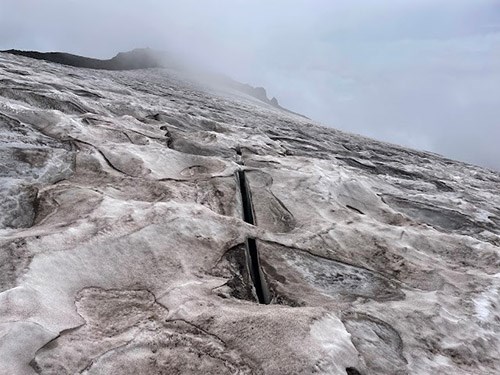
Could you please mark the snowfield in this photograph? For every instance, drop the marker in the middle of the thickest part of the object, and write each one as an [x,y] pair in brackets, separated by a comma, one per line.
[122,240]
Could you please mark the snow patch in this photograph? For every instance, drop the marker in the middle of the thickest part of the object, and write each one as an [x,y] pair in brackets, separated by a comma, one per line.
[330,333]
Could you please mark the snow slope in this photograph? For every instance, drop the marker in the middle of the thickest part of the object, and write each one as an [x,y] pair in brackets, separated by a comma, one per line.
[122,248]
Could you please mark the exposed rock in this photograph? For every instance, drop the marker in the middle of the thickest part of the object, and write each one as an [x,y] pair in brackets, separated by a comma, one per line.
[141,58]
[125,245]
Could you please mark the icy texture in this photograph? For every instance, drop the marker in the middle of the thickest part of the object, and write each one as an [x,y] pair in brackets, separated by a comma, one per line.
[122,238]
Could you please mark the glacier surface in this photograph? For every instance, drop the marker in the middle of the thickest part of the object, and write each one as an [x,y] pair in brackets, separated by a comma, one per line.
[122,240]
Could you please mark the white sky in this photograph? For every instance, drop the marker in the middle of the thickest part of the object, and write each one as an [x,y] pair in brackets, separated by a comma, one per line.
[420,73]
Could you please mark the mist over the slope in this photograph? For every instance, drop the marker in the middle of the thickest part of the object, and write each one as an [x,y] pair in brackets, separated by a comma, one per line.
[423,74]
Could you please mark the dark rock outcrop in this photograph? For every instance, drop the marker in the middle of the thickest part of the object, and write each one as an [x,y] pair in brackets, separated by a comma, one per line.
[141,58]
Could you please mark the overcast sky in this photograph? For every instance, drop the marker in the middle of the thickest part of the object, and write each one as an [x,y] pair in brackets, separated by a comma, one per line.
[421,73]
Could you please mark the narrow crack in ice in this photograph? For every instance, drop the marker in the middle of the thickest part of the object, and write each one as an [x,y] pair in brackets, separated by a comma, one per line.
[259,281]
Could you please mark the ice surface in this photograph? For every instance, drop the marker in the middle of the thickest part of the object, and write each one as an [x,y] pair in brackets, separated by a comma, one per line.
[121,236]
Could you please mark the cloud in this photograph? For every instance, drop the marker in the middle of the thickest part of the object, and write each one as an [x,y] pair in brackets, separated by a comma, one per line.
[439,95]
[421,73]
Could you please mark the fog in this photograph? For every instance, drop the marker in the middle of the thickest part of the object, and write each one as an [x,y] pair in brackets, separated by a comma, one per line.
[421,73]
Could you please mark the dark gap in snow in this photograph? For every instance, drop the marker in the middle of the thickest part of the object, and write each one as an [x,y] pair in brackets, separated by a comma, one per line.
[260,284]
[355,209]
[352,371]
[246,199]
[258,279]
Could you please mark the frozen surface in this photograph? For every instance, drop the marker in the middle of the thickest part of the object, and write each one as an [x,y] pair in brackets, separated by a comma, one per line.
[121,240]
